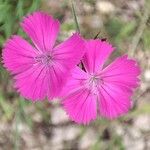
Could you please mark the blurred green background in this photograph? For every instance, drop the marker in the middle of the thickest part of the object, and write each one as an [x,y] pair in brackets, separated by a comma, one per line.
[44,125]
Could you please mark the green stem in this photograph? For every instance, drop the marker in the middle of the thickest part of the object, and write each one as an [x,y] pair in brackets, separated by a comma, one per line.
[75,17]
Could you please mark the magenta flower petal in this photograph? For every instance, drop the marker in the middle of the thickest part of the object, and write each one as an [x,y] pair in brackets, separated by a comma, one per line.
[42,29]
[32,83]
[76,79]
[110,89]
[119,79]
[113,101]
[123,71]
[41,70]
[66,56]
[70,51]
[57,78]
[79,103]
[81,106]
[18,55]
[97,53]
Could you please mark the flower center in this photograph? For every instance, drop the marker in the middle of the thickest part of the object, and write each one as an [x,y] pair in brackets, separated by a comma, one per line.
[45,59]
[93,83]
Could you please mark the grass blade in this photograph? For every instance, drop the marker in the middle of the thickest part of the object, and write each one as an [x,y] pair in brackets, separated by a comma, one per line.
[75,17]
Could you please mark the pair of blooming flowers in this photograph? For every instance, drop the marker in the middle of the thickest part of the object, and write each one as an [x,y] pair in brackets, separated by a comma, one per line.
[42,70]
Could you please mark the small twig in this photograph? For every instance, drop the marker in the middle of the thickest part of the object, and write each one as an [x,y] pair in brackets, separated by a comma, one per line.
[96,36]
[140,30]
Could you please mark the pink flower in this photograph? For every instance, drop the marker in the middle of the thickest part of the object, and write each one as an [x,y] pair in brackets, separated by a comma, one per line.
[106,91]
[40,69]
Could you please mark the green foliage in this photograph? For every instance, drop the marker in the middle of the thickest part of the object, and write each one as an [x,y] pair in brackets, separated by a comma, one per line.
[113,27]
[126,31]
[97,145]
[119,30]
[146,39]
[6,108]
[68,26]
[12,14]
[92,2]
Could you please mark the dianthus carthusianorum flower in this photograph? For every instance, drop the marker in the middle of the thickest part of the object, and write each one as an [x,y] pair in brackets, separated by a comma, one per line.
[40,69]
[98,90]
